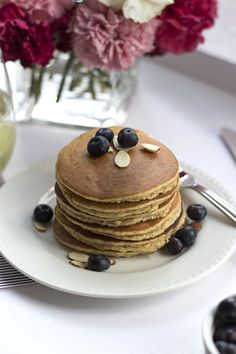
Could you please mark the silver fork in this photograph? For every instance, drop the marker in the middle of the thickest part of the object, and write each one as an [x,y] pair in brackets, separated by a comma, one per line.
[10,277]
[188,181]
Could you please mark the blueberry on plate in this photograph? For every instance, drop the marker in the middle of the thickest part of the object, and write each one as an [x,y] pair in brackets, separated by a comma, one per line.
[187,235]
[98,262]
[175,246]
[106,132]
[98,146]
[127,138]
[197,212]
[43,213]
[226,310]
[226,348]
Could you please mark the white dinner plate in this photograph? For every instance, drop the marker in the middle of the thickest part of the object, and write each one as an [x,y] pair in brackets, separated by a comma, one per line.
[41,258]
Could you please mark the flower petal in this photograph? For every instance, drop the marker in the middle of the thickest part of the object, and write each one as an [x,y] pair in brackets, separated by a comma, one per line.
[114,4]
[144,10]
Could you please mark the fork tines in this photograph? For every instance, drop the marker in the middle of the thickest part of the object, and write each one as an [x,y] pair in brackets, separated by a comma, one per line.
[9,276]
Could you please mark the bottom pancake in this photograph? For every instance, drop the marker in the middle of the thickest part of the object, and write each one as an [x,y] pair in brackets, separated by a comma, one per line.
[133,249]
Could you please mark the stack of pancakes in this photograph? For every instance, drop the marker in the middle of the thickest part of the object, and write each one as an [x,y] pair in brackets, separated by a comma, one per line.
[120,212]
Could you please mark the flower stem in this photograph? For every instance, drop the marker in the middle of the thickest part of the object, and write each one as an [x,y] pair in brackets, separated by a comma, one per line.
[65,72]
[32,83]
[38,84]
[91,88]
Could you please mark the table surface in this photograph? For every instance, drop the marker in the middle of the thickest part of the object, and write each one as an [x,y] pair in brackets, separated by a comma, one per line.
[186,115]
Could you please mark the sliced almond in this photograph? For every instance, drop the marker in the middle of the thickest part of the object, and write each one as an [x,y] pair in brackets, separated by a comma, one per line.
[78,256]
[78,264]
[122,159]
[151,147]
[39,227]
[113,261]
[110,149]
[196,225]
[116,144]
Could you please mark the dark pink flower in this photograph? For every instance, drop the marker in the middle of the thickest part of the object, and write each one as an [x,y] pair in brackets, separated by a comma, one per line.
[11,12]
[61,33]
[106,39]
[20,39]
[182,23]
[42,10]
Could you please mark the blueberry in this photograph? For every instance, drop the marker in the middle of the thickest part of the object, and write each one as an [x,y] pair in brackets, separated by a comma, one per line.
[218,323]
[226,348]
[127,138]
[187,235]
[106,132]
[98,262]
[98,146]
[227,310]
[43,213]
[226,334]
[175,246]
[197,212]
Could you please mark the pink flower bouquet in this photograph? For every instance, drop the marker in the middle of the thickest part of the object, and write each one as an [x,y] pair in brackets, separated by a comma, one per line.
[102,34]
[105,34]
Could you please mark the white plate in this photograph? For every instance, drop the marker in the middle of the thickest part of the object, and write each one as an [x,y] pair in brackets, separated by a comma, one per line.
[40,257]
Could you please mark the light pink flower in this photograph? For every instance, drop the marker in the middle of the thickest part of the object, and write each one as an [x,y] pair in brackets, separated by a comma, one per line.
[42,9]
[106,39]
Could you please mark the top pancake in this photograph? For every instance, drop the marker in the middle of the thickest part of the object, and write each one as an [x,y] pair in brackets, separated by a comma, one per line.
[99,179]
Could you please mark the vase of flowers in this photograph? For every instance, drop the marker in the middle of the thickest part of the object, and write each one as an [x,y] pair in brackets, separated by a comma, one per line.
[77,59]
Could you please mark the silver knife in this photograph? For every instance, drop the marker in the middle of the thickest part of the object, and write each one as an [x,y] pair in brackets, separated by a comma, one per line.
[229,138]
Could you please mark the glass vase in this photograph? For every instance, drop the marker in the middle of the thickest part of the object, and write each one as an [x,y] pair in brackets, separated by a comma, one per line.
[7,122]
[67,93]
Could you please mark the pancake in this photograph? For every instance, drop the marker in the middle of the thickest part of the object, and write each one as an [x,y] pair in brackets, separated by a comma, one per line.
[99,179]
[140,231]
[120,212]
[153,245]
[116,219]
[106,209]
[105,242]
[65,239]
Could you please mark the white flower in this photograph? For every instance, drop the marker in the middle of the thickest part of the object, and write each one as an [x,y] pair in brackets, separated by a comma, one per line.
[139,10]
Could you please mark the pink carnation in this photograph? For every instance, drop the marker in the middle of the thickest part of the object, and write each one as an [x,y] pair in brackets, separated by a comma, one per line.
[42,10]
[106,39]
[20,39]
[61,33]
[182,24]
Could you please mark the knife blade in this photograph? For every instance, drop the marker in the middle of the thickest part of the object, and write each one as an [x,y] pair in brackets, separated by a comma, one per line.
[229,138]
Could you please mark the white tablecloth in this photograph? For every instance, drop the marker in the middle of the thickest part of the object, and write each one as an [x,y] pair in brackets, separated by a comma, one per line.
[186,115]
